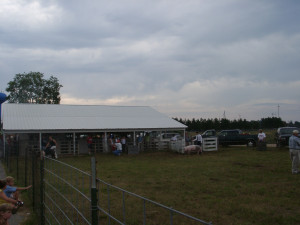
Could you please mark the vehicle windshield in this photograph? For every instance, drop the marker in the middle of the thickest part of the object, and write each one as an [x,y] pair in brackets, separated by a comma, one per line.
[170,135]
[288,130]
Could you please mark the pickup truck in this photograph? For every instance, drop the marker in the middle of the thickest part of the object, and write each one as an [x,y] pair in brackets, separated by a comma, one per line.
[283,134]
[236,137]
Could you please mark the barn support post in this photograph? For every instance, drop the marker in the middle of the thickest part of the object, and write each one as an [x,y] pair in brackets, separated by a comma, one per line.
[105,142]
[40,137]
[134,142]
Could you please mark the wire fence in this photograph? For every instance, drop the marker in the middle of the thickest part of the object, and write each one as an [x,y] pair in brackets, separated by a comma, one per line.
[118,205]
[67,194]
[26,170]
[64,194]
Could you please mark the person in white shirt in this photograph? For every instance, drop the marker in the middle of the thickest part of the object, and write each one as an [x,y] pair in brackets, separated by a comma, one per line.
[123,142]
[198,139]
[261,136]
[118,150]
[294,146]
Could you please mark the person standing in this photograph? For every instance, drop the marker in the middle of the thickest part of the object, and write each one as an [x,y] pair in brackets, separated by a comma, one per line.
[89,141]
[261,140]
[187,139]
[294,146]
[198,139]
[118,149]
[140,142]
[261,136]
[123,142]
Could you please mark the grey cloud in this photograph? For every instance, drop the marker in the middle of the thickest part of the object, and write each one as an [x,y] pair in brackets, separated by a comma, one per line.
[155,48]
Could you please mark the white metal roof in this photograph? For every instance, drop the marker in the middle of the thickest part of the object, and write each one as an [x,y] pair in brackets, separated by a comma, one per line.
[62,118]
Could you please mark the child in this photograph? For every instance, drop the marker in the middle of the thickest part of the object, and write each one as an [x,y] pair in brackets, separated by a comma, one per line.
[5,213]
[3,197]
[11,191]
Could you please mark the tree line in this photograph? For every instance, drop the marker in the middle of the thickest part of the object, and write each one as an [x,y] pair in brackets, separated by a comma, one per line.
[224,124]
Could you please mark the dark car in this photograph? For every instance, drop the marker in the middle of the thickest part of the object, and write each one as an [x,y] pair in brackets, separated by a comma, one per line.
[283,134]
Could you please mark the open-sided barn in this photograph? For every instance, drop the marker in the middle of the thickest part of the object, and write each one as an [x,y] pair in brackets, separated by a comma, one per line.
[70,124]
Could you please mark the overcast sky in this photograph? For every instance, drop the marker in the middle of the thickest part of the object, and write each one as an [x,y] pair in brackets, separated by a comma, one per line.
[186,59]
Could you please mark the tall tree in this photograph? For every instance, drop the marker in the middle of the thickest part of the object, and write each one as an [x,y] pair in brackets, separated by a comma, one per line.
[33,88]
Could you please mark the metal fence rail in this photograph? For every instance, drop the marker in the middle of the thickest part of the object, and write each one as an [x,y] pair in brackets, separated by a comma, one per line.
[121,213]
[67,194]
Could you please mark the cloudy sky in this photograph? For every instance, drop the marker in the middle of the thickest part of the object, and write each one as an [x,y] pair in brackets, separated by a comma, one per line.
[187,59]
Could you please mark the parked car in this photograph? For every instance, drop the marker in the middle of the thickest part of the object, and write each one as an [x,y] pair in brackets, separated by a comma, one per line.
[283,134]
[236,137]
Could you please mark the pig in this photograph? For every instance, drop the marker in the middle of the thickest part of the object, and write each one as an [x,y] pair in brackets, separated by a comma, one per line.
[193,148]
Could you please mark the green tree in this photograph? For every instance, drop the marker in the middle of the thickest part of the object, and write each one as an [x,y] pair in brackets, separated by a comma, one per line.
[33,88]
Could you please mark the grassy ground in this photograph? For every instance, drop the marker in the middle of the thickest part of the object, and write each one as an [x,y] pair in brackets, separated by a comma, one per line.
[236,185]
[26,210]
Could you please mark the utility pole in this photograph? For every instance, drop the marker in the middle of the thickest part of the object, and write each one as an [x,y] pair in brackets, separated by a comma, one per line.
[278,110]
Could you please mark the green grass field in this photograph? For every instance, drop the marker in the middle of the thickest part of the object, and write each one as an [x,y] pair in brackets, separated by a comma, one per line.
[236,185]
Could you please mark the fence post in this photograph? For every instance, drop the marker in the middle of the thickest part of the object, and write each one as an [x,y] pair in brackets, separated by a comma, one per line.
[94,200]
[33,179]
[8,159]
[18,155]
[42,191]
[26,165]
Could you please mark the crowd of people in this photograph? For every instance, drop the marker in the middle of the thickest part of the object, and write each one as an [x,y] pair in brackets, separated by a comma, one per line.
[10,200]
[117,145]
